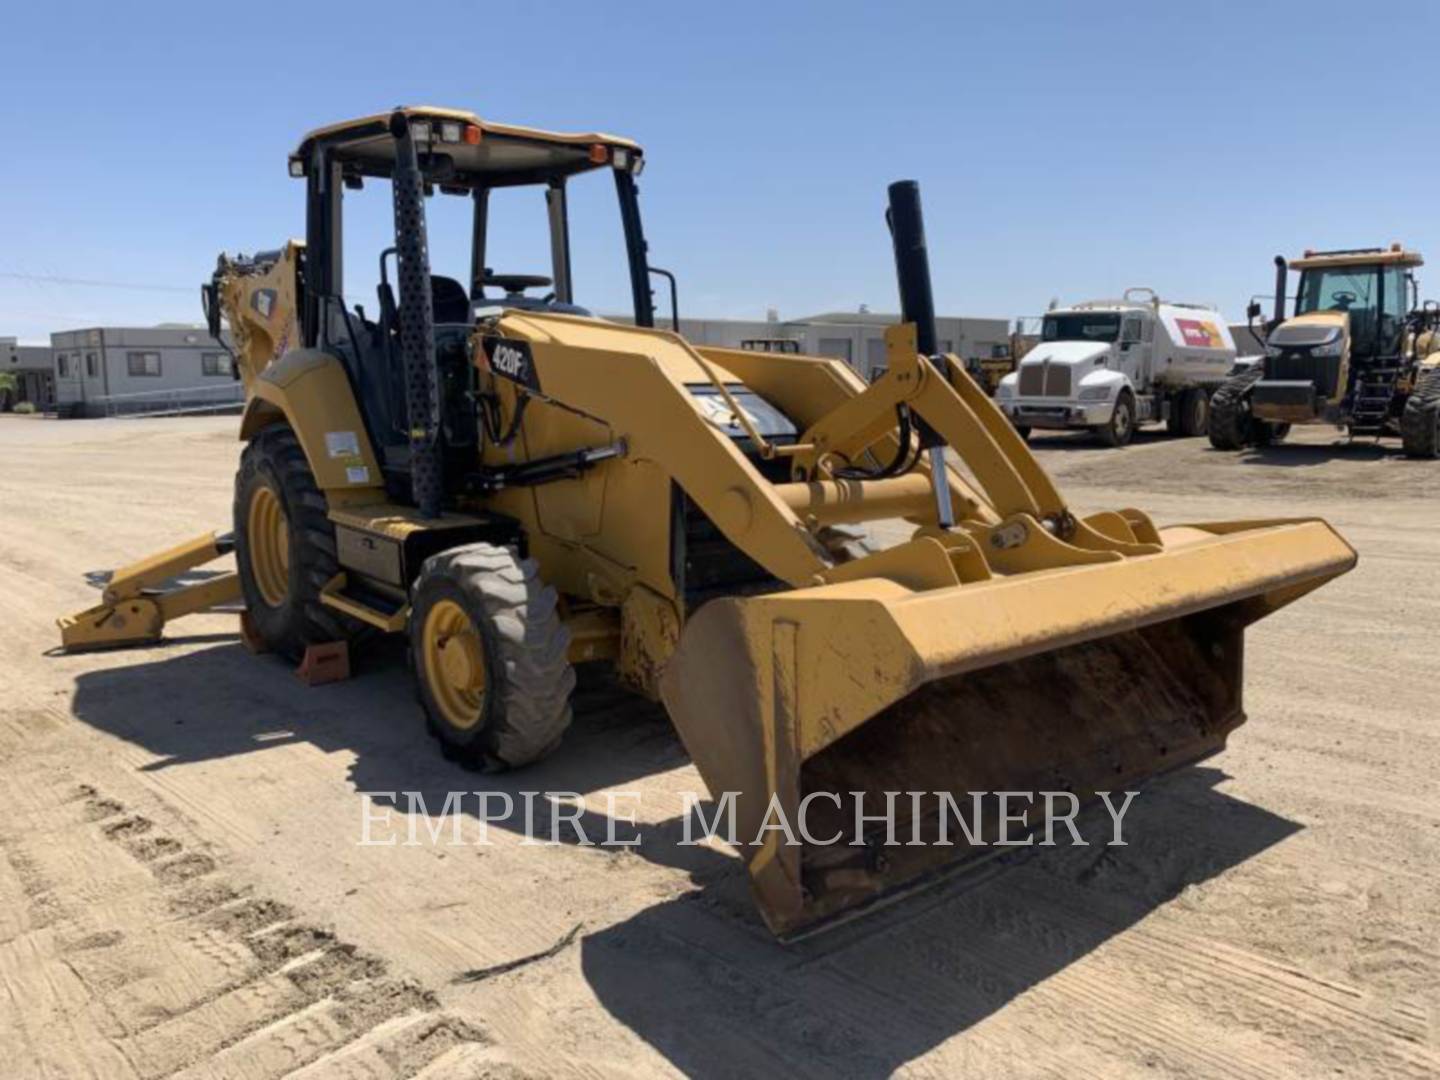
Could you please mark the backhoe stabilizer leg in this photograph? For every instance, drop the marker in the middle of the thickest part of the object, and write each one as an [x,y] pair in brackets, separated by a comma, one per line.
[134,610]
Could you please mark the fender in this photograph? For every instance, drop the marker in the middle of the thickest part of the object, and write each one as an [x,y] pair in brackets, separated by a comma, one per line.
[308,389]
[1117,381]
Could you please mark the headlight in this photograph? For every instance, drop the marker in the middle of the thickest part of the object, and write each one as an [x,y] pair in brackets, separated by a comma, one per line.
[1330,348]
[1095,393]
[1273,350]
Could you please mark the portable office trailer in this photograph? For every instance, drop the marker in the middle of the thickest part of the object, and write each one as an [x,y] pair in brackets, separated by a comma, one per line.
[106,370]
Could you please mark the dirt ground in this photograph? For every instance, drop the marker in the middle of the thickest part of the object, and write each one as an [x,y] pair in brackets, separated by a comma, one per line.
[182,891]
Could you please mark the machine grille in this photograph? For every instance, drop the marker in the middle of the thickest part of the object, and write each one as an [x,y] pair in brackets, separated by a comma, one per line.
[1323,371]
[1057,380]
[1044,380]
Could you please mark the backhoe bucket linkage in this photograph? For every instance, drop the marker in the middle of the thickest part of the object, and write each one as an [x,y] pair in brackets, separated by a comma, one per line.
[135,609]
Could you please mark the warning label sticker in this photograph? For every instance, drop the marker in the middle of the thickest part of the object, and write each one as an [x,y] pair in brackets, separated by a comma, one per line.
[342,444]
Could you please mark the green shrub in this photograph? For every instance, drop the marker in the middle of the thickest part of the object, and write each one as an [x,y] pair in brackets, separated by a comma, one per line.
[24,407]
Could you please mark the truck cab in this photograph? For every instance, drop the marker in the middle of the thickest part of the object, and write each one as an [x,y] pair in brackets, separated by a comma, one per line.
[1111,365]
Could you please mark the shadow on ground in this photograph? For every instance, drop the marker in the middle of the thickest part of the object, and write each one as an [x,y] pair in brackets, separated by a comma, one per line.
[700,981]
[699,978]
[1307,455]
[224,701]
[1041,439]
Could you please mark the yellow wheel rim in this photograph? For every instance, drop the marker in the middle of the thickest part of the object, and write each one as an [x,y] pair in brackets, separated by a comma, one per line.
[454,664]
[269,538]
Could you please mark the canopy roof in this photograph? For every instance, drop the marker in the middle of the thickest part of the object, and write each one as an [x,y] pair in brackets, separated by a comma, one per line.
[1395,254]
[459,148]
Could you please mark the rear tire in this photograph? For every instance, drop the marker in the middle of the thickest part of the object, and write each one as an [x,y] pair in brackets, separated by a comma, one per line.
[1194,412]
[1023,432]
[1420,422]
[1230,426]
[490,656]
[285,547]
[1121,428]
[1175,418]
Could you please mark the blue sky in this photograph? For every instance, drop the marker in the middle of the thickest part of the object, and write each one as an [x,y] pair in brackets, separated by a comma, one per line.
[1063,150]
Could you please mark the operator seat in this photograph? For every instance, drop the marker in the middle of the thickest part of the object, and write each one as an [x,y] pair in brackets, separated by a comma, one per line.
[450,301]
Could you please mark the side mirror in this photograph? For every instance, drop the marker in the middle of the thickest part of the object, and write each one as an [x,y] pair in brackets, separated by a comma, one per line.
[1253,310]
[674,302]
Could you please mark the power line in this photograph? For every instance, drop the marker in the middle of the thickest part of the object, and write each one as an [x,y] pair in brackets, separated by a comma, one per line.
[49,279]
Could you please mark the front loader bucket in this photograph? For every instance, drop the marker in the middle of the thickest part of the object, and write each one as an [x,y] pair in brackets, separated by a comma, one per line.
[1081,679]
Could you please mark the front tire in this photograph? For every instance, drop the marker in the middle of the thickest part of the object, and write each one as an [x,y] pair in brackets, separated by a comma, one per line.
[1420,422]
[490,656]
[1121,428]
[1231,426]
[285,547]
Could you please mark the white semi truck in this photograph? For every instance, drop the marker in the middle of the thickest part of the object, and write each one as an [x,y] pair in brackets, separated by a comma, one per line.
[1111,365]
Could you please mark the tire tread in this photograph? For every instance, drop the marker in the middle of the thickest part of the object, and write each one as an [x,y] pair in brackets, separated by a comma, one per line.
[1230,426]
[312,623]
[536,678]
[1420,422]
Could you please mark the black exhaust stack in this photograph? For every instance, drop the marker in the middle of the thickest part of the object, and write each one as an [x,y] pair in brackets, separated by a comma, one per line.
[417,326]
[917,305]
[912,262]
[1282,274]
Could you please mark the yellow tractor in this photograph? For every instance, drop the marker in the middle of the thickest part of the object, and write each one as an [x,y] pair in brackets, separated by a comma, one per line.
[1358,352]
[521,486]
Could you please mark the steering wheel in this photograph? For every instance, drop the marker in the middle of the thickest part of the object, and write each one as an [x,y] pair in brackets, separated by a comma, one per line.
[514,283]
[1344,298]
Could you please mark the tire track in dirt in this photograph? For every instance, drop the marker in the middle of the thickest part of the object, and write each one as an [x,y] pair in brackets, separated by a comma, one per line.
[186,974]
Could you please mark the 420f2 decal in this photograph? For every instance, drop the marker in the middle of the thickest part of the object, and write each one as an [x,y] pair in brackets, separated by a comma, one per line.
[511,359]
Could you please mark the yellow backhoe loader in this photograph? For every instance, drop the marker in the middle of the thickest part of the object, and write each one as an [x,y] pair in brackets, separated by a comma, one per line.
[521,486]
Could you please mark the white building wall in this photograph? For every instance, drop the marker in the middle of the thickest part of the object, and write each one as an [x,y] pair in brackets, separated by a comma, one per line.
[32,366]
[724,333]
[862,343]
[857,339]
